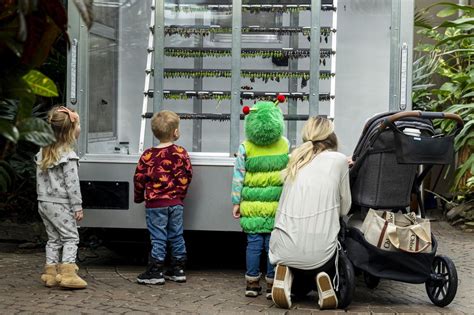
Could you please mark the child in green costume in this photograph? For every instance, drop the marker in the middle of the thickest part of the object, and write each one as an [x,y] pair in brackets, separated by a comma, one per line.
[257,186]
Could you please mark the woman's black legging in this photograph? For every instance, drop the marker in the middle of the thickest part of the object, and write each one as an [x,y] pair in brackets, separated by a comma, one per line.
[304,281]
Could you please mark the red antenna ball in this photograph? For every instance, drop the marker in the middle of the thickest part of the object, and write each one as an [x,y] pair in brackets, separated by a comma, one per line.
[246,110]
[281,98]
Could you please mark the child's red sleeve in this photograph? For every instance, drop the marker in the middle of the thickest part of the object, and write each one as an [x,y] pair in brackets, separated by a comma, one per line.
[185,173]
[139,180]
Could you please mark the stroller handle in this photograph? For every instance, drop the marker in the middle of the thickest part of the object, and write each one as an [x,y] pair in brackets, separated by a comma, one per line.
[428,115]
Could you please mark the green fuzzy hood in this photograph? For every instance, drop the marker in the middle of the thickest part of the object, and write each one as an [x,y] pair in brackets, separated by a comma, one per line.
[264,124]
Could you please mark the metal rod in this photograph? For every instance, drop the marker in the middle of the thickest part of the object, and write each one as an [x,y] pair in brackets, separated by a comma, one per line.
[197,102]
[332,107]
[324,52]
[150,49]
[222,117]
[243,94]
[314,51]
[394,88]
[293,82]
[246,2]
[236,80]
[158,56]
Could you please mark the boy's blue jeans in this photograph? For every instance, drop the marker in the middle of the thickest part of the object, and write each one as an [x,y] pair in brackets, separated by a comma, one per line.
[166,225]
[256,243]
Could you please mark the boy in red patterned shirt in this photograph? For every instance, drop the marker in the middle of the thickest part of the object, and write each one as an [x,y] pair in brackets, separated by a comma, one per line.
[161,180]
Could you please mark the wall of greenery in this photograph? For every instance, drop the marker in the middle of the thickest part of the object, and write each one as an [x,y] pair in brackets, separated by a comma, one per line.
[33,41]
[443,79]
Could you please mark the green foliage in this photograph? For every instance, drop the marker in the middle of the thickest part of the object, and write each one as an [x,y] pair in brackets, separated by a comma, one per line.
[40,84]
[29,48]
[28,29]
[447,56]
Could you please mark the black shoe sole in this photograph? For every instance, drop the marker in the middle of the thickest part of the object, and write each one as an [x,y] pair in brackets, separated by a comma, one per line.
[151,281]
[181,279]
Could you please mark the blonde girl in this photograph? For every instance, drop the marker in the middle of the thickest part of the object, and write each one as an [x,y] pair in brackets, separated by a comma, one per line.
[315,194]
[59,199]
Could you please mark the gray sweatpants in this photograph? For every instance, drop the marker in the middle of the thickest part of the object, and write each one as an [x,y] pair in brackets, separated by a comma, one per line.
[62,232]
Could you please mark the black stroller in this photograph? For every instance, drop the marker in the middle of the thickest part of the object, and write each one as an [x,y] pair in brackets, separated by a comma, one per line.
[384,176]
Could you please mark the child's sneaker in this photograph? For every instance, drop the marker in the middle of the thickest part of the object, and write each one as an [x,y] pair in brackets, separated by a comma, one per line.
[175,274]
[281,290]
[152,275]
[269,288]
[327,296]
[253,288]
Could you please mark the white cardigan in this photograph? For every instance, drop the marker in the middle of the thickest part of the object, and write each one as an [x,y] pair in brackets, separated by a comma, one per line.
[307,219]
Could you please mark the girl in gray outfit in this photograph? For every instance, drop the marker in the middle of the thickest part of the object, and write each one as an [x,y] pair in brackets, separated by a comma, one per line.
[59,200]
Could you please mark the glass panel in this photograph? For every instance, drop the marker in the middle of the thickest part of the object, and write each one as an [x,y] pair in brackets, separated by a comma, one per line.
[197,64]
[102,95]
[197,71]
[276,58]
[117,53]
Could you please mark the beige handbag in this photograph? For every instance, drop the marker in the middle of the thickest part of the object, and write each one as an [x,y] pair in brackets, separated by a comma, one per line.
[397,231]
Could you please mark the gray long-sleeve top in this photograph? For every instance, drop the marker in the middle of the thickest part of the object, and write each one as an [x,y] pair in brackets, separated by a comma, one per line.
[60,182]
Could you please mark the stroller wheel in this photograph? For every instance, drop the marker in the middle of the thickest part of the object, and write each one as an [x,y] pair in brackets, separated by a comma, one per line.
[346,281]
[371,281]
[443,283]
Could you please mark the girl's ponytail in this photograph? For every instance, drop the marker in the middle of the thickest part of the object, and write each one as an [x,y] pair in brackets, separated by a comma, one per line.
[64,122]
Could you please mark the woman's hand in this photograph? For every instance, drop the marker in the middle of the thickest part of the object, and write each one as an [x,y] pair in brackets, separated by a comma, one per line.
[78,215]
[236,211]
[350,161]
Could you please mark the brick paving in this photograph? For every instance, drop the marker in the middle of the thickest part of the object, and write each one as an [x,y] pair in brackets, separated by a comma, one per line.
[112,288]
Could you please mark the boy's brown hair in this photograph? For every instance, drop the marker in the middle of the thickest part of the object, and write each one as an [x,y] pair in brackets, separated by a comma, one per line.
[163,125]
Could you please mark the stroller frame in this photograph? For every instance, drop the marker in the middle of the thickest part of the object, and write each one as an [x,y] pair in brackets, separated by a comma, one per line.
[438,272]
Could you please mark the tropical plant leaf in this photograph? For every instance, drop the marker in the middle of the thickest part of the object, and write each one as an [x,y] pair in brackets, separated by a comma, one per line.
[465,136]
[456,38]
[464,8]
[423,86]
[447,12]
[8,109]
[468,165]
[41,84]
[470,94]
[9,130]
[7,176]
[421,20]
[37,131]
[457,23]
[56,11]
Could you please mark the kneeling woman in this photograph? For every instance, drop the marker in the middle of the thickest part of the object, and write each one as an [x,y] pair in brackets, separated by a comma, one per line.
[316,193]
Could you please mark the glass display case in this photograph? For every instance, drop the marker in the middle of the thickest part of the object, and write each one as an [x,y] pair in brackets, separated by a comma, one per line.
[205,60]
[273,45]
[193,66]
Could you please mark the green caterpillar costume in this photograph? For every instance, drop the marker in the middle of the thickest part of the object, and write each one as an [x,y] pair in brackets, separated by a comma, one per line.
[266,152]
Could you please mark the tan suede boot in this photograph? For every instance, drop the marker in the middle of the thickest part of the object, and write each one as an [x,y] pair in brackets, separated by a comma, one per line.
[253,288]
[49,275]
[68,278]
[269,288]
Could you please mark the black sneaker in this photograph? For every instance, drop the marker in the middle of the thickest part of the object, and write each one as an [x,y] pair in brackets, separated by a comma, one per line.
[175,273]
[152,275]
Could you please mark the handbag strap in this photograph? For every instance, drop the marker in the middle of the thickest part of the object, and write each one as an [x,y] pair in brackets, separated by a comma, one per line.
[411,216]
[389,216]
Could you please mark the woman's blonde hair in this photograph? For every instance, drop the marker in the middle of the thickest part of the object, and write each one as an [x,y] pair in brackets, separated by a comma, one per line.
[64,122]
[318,135]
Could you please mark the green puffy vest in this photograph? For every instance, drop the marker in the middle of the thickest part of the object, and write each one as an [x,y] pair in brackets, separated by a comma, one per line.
[262,185]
